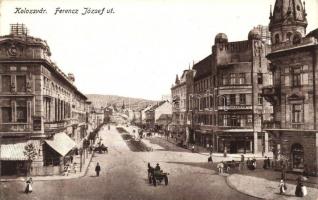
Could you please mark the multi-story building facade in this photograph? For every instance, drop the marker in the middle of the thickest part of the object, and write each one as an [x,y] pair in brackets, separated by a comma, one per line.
[39,105]
[240,70]
[201,104]
[143,116]
[225,107]
[180,100]
[294,91]
[154,112]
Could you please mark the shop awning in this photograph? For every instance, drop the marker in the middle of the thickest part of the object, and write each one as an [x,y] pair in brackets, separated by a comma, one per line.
[14,151]
[61,143]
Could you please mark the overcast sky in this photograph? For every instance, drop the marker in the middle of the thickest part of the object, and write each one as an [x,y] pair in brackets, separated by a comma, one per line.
[138,50]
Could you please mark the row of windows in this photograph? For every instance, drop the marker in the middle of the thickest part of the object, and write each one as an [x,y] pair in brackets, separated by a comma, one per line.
[233,79]
[203,84]
[295,38]
[201,103]
[50,85]
[56,110]
[236,120]
[205,119]
[228,100]
[238,79]
[15,111]
[13,83]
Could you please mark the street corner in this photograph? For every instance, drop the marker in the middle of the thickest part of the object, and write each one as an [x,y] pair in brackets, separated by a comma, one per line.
[265,189]
[245,185]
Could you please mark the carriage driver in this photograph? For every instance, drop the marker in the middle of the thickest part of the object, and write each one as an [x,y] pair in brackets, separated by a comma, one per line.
[157,168]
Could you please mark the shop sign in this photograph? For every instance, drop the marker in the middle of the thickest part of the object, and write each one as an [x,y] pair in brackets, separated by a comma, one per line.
[239,107]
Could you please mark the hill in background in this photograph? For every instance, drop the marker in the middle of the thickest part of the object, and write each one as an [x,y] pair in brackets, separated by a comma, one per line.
[99,100]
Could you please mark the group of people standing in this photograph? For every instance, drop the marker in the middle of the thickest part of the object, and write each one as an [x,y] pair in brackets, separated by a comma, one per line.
[300,191]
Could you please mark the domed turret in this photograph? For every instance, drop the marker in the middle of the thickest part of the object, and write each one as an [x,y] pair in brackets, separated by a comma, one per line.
[220,38]
[254,34]
[288,21]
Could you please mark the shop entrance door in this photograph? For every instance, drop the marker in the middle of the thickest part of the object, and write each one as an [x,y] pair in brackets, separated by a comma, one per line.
[233,147]
[297,152]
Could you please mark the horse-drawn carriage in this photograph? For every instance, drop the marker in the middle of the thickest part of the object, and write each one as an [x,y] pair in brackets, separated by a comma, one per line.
[231,165]
[157,176]
[101,149]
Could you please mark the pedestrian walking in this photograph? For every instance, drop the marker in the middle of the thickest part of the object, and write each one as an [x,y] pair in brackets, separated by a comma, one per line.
[220,167]
[254,162]
[301,190]
[265,164]
[283,175]
[97,169]
[66,170]
[28,187]
[210,159]
[192,149]
[282,187]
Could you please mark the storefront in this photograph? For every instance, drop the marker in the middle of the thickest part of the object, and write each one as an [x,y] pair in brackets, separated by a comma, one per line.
[57,148]
[297,157]
[204,138]
[13,159]
[234,142]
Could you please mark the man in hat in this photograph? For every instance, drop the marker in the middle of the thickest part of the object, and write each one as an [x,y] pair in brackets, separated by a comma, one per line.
[157,168]
[97,169]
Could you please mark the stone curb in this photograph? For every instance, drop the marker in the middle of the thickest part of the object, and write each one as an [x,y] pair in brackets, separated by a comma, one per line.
[228,182]
[54,178]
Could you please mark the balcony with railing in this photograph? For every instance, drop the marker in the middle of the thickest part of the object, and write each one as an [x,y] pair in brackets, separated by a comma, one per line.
[271,93]
[291,45]
[267,125]
[56,126]
[222,127]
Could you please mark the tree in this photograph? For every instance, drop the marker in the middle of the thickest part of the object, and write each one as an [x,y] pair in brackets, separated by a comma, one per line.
[30,153]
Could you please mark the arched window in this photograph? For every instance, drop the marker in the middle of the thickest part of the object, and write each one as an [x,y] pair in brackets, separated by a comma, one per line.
[289,36]
[297,39]
[276,39]
[297,153]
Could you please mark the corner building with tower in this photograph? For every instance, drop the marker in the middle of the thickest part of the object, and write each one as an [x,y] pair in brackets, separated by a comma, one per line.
[39,106]
[294,93]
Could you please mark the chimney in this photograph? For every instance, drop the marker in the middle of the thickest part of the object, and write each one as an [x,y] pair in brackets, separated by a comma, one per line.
[19,30]
[71,77]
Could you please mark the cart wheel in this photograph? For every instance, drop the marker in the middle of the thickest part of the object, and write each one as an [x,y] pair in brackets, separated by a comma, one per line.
[166,180]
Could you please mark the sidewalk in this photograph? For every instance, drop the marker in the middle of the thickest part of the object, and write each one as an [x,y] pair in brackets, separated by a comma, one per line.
[263,184]
[204,151]
[71,175]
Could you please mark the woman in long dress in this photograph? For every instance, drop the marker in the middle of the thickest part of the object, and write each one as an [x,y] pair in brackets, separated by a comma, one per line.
[282,187]
[28,187]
